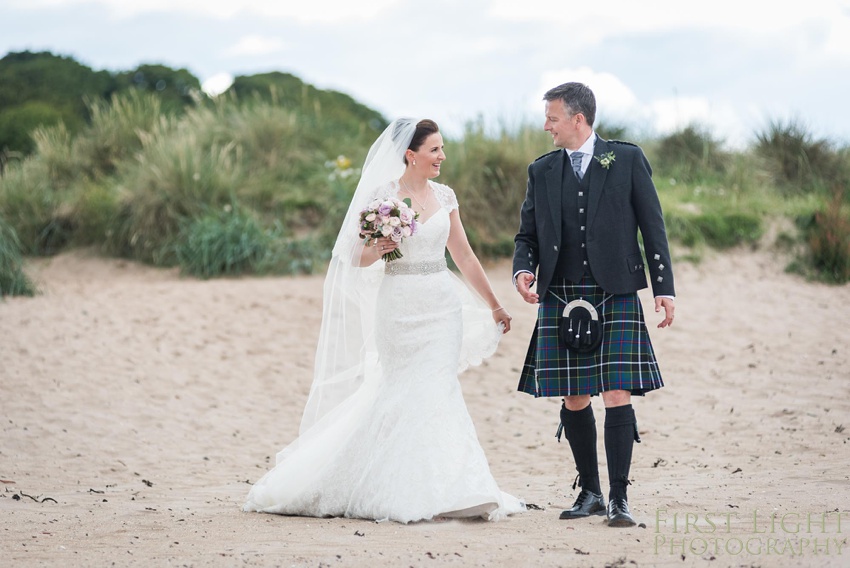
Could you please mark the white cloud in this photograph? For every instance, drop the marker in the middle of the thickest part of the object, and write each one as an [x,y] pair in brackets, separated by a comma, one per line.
[612,95]
[305,11]
[217,84]
[779,23]
[618,105]
[487,45]
[837,42]
[675,113]
[255,45]
[615,17]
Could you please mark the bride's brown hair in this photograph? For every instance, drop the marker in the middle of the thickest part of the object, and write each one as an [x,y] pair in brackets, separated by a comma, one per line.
[424,128]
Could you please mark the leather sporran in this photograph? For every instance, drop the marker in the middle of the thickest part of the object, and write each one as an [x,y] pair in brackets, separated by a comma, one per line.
[581,327]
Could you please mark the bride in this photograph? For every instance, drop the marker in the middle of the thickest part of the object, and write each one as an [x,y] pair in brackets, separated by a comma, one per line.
[386,434]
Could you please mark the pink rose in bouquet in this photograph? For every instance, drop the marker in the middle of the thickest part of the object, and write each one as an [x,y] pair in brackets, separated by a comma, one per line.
[389,217]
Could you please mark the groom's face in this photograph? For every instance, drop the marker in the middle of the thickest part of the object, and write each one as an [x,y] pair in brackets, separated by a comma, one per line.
[562,125]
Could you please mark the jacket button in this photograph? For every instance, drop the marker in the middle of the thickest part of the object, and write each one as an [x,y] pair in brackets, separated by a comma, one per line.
[556,248]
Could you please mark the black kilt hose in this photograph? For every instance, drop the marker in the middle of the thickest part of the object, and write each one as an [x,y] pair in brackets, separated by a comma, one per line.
[624,361]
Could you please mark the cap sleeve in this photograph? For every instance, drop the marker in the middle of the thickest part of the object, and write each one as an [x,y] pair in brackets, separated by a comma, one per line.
[446,196]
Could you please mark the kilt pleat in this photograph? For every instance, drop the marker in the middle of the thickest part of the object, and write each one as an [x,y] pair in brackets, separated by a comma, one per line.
[624,361]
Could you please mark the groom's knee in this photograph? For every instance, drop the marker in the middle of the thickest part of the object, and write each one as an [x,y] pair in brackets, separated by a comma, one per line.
[577,402]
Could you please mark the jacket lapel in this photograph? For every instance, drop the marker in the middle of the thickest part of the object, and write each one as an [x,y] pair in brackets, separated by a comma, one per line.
[597,180]
[554,181]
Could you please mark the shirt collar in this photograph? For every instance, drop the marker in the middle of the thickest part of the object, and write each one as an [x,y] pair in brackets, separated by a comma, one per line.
[587,147]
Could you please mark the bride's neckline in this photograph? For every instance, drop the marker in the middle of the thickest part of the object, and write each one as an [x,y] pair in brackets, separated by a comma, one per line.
[431,216]
[431,188]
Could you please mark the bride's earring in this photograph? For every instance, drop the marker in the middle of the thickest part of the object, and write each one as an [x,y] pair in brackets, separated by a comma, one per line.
[414,162]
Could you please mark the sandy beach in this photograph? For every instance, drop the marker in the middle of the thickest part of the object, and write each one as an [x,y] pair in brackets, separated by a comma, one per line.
[138,405]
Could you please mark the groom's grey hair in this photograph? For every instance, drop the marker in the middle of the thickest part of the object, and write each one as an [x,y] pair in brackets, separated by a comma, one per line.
[577,97]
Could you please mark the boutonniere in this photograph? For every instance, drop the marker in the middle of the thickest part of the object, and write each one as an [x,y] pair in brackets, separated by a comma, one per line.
[605,159]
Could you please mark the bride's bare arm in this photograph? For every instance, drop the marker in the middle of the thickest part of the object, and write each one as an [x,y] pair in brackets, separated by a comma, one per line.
[469,265]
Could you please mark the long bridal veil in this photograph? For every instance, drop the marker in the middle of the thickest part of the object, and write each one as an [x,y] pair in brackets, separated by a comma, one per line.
[346,354]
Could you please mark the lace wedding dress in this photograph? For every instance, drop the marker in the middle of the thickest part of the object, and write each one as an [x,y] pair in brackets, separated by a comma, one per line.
[402,447]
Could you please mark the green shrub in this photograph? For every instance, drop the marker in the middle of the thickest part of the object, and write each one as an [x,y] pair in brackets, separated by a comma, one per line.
[731,229]
[95,207]
[332,114]
[797,161]
[176,89]
[116,131]
[827,234]
[283,161]
[47,218]
[226,242]
[54,153]
[48,196]
[173,180]
[13,281]
[55,86]
[31,206]
[717,229]
[17,123]
[690,154]
[232,241]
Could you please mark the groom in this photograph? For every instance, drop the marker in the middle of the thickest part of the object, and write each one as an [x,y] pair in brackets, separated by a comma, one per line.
[584,205]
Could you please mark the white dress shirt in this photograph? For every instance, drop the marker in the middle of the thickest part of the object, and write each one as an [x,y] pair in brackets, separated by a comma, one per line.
[587,151]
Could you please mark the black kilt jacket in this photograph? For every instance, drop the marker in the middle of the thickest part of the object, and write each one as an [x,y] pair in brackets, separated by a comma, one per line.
[621,200]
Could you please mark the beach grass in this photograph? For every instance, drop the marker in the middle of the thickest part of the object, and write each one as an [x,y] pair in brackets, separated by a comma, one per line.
[13,279]
[251,186]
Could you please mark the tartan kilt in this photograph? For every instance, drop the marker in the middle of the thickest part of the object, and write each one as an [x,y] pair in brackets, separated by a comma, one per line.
[624,361]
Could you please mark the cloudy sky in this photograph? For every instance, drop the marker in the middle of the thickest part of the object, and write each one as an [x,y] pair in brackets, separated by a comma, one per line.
[729,65]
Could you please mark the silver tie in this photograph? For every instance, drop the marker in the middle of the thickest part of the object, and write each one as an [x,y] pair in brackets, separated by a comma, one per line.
[575,159]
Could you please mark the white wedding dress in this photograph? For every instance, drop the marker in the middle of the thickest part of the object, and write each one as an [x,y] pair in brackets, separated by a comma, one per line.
[403,446]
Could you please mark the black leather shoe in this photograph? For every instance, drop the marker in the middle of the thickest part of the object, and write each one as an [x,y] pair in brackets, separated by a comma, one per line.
[619,515]
[587,503]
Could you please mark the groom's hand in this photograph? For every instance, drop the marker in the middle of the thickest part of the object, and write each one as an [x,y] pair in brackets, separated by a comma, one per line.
[669,307]
[524,280]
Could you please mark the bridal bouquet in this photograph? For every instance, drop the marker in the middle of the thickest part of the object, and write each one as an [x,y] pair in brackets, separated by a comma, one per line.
[391,218]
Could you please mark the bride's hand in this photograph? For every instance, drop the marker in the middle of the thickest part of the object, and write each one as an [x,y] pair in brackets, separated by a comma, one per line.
[501,316]
[375,249]
[384,245]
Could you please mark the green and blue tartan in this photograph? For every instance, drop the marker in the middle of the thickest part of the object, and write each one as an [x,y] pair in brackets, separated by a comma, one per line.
[624,361]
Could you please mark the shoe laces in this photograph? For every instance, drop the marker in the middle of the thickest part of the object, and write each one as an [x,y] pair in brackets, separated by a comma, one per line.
[620,503]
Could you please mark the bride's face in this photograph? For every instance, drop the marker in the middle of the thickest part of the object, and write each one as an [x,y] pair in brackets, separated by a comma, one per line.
[429,156]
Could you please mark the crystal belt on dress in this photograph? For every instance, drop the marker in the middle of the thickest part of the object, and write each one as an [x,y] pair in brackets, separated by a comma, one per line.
[395,267]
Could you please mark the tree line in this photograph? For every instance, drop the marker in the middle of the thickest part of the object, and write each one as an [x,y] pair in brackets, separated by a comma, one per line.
[44,89]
